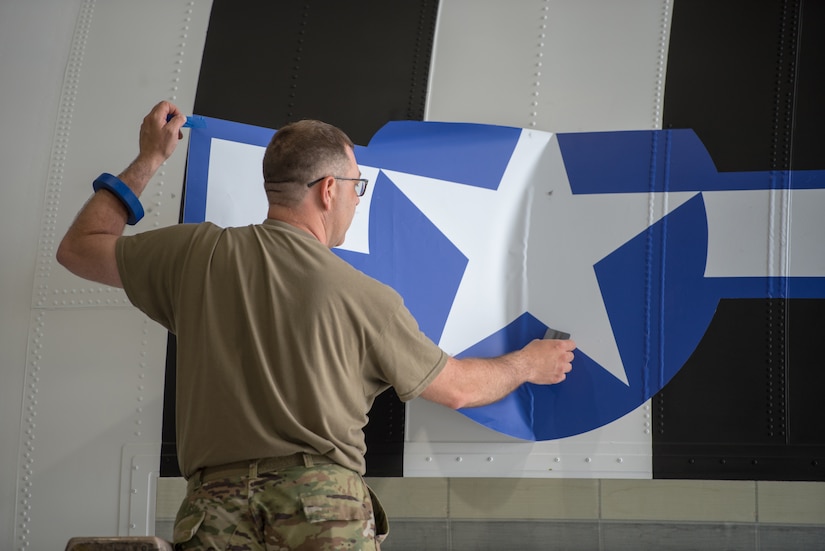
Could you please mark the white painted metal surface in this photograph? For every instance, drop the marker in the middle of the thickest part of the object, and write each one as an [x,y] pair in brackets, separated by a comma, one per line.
[553,65]
[90,388]
[512,63]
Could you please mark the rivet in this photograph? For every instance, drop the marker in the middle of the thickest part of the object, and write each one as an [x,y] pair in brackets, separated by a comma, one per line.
[459,459]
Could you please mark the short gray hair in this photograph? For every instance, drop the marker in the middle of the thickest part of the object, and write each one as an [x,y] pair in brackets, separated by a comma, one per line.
[299,153]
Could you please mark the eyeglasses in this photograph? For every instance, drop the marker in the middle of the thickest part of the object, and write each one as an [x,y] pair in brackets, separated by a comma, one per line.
[360,184]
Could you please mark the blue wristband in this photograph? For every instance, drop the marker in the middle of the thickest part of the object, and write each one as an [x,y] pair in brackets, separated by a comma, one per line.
[120,190]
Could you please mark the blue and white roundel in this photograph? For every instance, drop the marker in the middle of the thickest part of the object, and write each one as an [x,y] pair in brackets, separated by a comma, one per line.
[626,240]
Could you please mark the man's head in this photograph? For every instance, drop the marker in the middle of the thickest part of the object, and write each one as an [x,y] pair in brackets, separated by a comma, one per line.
[310,176]
[302,152]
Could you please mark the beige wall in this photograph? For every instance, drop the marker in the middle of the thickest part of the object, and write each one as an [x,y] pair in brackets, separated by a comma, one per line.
[580,499]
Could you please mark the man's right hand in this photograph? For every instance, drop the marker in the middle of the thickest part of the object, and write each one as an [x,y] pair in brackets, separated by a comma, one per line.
[550,360]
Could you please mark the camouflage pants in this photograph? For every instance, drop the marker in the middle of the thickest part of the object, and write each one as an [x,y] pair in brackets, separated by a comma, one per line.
[322,507]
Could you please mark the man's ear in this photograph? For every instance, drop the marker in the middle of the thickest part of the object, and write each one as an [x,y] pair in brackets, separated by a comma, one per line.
[327,190]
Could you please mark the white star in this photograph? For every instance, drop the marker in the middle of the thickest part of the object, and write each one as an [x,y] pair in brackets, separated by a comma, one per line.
[531,246]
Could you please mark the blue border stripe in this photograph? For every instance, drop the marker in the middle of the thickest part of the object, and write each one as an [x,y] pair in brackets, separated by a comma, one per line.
[200,146]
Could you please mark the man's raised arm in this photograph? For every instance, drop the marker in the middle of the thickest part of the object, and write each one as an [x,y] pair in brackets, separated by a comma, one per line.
[475,382]
[88,248]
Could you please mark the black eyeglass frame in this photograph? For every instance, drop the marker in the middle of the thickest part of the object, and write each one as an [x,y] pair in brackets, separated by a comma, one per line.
[360,188]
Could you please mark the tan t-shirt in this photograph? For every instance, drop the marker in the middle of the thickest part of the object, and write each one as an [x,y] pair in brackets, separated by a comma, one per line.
[282,346]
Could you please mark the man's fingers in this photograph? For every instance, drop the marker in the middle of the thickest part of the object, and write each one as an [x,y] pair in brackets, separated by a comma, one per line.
[165,112]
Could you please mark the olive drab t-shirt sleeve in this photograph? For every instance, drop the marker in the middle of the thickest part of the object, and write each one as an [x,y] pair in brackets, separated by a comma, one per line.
[150,265]
[408,360]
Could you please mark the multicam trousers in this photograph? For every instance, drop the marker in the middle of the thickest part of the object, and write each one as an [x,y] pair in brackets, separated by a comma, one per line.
[321,507]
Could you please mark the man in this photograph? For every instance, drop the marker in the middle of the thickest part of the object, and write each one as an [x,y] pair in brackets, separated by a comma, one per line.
[282,346]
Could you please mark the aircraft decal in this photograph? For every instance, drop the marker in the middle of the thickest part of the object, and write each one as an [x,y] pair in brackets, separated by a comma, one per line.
[493,234]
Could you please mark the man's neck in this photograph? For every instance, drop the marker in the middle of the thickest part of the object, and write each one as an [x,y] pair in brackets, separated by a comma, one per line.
[297,220]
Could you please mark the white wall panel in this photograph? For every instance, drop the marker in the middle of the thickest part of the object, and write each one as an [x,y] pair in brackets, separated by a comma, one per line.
[87,397]
[510,63]
[32,64]
[125,57]
[94,387]
[442,442]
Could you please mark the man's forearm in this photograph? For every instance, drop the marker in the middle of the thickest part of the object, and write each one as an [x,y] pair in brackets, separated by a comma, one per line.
[488,380]
[88,248]
[475,382]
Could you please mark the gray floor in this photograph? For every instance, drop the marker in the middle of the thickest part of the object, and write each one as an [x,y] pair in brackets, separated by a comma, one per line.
[443,535]
[604,536]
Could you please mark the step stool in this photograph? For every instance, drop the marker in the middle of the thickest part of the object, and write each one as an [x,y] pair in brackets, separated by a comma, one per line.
[119,543]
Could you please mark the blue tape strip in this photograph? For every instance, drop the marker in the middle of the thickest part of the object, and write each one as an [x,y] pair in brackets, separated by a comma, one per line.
[120,190]
[195,121]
